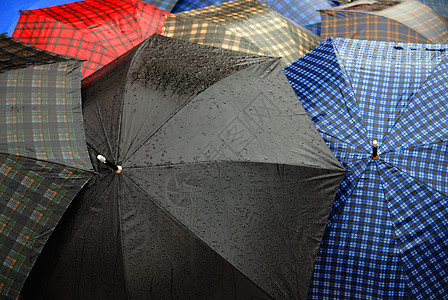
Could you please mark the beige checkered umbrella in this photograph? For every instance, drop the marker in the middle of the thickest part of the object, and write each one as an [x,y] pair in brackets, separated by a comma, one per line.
[407,21]
[244,25]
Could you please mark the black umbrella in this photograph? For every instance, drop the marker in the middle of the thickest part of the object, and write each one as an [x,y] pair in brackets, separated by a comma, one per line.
[225,186]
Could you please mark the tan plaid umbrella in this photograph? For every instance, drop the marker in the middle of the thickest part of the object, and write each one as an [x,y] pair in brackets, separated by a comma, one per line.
[244,25]
[406,21]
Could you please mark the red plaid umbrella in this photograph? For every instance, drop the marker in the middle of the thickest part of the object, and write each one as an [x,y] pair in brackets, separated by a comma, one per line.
[97,31]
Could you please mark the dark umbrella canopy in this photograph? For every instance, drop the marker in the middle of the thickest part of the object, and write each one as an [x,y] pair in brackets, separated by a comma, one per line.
[388,229]
[225,186]
[243,25]
[407,21]
[96,31]
[43,155]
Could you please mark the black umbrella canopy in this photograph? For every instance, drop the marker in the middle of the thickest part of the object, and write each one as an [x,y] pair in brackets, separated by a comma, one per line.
[225,187]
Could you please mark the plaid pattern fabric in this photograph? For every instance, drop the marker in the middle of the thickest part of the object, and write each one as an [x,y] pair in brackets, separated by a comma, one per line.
[33,197]
[304,13]
[315,28]
[187,5]
[97,31]
[166,5]
[244,25]
[408,22]
[386,237]
[16,55]
[41,114]
[440,6]
[43,154]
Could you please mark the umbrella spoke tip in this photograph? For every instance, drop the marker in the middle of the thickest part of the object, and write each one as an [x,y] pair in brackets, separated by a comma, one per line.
[101,158]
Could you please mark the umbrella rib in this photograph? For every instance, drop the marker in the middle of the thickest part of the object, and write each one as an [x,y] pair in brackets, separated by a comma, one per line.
[69,22]
[47,161]
[397,118]
[174,219]
[120,12]
[178,223]
[100,117]
[419,181]
[207,162]
[414,96]
[346,79]
[338,139]
[73,230]
[168,119]
[422,144]
[156,130]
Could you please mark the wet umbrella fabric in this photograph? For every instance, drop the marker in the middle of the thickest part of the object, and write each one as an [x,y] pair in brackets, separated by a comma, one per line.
[387,232]
[304,13]
[243,25]
[97,31]
[225,186]
[392,21]
[43,155]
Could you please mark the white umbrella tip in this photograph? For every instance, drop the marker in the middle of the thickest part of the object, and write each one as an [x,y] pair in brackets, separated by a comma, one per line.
[101,158]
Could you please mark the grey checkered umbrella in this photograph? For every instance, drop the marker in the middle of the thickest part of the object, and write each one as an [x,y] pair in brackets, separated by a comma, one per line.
[43,154]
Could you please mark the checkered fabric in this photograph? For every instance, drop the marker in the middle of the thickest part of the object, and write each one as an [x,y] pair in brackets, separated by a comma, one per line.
[43,154]
[97,31]
[187,5]
[244,25]
[387,235]
[440,6]
[166,5]
[16,55]
[304,12]
[409,22]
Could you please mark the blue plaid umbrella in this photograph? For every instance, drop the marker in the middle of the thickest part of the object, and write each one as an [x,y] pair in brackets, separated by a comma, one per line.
[440,6]
[387,235]
[304,12]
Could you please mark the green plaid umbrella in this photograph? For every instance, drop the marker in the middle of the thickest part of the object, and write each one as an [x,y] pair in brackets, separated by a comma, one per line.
[408,21]
[244,25]
[43,154]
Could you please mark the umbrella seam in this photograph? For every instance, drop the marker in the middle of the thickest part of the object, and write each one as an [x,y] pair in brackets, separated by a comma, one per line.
[48,161]
[141,49]
[178,223]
